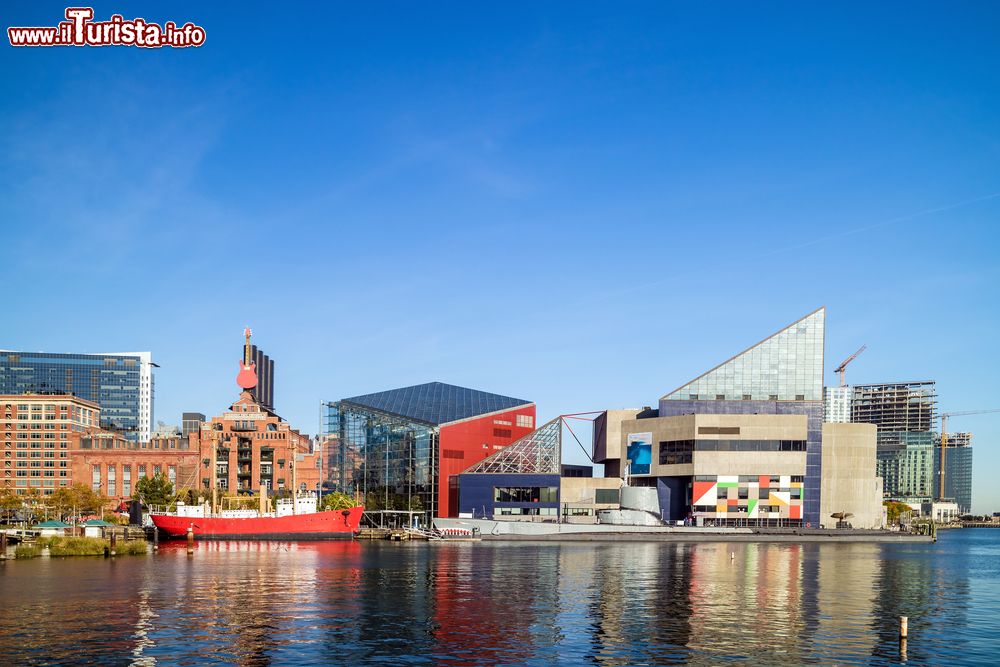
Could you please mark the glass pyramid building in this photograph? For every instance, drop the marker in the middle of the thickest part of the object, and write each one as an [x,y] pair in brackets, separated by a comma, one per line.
[786,366]
[538,453]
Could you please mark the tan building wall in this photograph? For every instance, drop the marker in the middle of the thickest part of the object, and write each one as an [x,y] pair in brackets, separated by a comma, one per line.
[723,427]
[849,482]
[608,442]
[581,490]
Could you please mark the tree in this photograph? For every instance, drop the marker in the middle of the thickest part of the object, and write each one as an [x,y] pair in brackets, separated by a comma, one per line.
[9,503]
[337,501]
[155,490]
[894,511]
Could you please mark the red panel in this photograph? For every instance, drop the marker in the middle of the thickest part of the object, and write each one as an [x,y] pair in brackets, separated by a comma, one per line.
[733,502]
[700,489]
[765,481]
[468,437]
[795,511]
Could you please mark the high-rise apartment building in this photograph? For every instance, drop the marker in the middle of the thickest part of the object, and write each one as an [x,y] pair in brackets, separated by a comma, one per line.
[837,405]
[958,469]
[121,383]
[904,414]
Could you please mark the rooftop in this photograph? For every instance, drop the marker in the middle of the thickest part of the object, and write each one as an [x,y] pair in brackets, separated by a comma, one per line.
[436,402]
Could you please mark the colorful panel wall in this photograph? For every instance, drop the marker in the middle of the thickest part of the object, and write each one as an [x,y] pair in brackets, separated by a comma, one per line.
[748,497]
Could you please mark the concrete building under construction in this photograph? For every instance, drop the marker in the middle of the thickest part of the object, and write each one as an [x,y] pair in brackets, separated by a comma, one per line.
[904,414]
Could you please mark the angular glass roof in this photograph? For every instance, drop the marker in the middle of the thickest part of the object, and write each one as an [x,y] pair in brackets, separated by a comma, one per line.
[436,402]
[538,453]
[786,366]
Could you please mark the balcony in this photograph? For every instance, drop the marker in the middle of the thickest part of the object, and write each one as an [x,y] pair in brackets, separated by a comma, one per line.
[243,426]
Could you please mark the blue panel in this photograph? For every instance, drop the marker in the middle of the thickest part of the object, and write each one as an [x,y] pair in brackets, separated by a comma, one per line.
[437,403]
[475,491]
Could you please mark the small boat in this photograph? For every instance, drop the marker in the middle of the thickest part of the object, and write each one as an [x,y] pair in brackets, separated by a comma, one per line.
[292,520]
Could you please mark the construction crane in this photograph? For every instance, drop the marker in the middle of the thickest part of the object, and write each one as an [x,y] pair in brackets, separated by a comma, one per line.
[843,364]
[944,439]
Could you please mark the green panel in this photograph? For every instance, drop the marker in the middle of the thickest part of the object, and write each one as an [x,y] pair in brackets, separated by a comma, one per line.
[728,485]
[750,505]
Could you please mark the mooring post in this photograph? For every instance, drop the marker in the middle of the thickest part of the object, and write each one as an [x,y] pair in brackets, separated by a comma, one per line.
[904,623]
[114,543]
[3,545]
[190,538]
[156,538]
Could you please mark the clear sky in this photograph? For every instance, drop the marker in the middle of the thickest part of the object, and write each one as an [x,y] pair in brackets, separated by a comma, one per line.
[569,203]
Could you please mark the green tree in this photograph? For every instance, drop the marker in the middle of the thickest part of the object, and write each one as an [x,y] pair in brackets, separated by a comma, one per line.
[155,490]
[337,501]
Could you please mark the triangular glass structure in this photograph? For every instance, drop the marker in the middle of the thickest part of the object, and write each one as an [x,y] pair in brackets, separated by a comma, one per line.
[538,453]
[786,366]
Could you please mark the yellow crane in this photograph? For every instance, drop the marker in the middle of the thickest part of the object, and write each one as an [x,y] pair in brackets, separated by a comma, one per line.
[944,439]
[843,365]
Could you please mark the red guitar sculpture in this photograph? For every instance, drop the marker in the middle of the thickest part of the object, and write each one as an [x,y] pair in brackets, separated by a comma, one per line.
[247,377]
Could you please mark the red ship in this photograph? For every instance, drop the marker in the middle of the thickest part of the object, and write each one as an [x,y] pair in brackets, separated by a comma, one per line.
[335,524]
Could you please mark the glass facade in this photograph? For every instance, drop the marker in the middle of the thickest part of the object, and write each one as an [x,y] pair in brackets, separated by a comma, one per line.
[121,384]
[905,462]
[787,366]
[388,460]
[958,470]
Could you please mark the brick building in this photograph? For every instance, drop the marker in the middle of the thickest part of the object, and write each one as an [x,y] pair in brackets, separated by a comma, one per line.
[256,448]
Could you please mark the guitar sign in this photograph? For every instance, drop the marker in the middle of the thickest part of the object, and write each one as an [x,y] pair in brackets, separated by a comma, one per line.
[247,377]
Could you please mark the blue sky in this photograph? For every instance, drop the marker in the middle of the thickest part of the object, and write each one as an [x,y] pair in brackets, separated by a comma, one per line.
[569,203]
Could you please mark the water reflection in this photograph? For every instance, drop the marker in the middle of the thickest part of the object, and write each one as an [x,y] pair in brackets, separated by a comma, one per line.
[485,603]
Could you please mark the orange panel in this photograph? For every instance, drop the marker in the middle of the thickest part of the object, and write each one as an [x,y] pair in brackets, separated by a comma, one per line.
[795,512]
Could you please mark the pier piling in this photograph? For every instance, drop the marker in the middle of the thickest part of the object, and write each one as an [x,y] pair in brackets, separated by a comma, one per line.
[114,544]
[156,538]
[904,623]
[3,546]
[190,539]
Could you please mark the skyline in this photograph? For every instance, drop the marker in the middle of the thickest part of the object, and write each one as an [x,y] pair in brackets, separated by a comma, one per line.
[581,209]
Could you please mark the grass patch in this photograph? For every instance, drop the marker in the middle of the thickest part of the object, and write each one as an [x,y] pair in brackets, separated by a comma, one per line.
[27,551]
[77,546]
[94,546]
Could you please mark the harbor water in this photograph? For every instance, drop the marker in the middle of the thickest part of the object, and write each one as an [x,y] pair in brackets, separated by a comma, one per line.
[485,603]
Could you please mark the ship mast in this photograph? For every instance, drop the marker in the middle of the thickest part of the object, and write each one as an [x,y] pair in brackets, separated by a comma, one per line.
[295,486]
[215,484]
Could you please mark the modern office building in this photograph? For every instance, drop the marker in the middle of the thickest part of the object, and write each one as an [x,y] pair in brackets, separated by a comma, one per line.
[744,442]
[837,405]
[264,391]
[121,383]
[958,469]
[191,423]
[904,414]
[398,448]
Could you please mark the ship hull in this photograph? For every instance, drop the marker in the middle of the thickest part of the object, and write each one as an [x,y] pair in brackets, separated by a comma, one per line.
[332,525]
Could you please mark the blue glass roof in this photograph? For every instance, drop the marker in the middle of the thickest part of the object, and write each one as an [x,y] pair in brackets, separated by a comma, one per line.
[436,402]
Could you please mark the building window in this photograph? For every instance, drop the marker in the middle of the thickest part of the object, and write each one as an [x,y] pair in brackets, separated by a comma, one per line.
[126,480]
[606,496]
[526,421]
[96,477]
